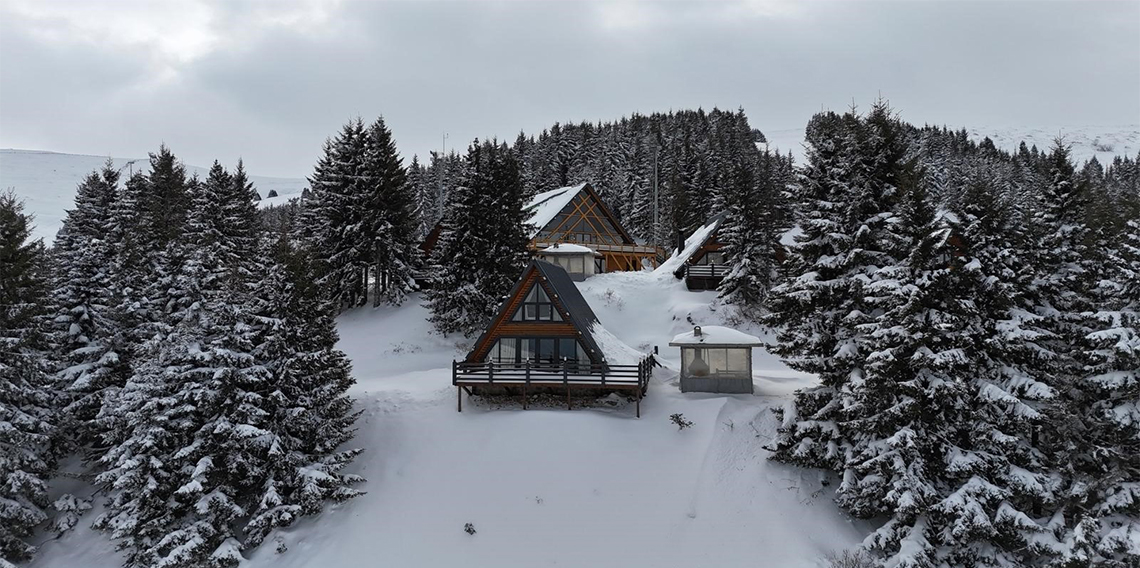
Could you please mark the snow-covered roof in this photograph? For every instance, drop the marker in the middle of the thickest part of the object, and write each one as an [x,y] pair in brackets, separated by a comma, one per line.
[692,243]
[547,204]
[716,335]
[559,248]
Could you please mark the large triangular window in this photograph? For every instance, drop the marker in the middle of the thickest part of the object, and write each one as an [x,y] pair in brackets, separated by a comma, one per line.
[536,306]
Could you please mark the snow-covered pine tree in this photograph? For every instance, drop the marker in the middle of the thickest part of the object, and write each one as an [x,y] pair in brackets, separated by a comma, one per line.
[482,247]
[338,224]
[241,227]
[88,340]
[1108,398]
[388,203]
[307,413]
[846,194]
[426,197]
[748,237]
[27,401]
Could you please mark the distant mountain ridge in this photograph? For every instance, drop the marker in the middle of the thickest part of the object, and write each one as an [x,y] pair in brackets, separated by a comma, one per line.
[47,181]
[1104,142]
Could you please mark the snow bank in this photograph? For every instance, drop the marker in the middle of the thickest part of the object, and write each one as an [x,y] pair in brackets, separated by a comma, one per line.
[615,350]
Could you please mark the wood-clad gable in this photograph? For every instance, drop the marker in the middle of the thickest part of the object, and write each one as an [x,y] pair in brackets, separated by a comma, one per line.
[572,316]
[586,220]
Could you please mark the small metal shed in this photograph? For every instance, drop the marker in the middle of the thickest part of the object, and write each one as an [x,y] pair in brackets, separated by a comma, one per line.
[716,359]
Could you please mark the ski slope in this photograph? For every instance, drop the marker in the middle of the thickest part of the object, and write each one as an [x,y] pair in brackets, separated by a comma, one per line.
[546,486]
[47,181]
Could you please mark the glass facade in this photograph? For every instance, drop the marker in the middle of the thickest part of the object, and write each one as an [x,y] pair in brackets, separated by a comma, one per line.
[540,351]
[716,362]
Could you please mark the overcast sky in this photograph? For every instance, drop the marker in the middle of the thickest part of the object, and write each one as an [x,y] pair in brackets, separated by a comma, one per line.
[269,81]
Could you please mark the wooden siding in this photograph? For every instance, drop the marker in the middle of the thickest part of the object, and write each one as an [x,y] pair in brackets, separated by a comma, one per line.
[608,237]
[504,327]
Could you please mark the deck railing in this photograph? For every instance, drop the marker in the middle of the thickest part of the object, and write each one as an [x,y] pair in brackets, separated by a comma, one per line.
[567,374]
[706,270]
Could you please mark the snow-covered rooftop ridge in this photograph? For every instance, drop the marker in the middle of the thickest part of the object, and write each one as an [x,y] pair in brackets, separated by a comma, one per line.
[716,335]
[566,248]
[544,206]
[616,351]
[692,243]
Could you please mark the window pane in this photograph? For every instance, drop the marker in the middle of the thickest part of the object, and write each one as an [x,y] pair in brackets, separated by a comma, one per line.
[544,312]
[718,360]
[582,356]
[738,361]
[531,310]
[508,349]
[566,349]
[526,347]
[518,315]
[555,316]
[546,350]
[540,294]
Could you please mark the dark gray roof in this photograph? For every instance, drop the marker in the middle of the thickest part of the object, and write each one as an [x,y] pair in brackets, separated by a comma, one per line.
[581,315]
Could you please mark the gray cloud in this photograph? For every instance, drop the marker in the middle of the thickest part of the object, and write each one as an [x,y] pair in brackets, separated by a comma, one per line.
[269,81]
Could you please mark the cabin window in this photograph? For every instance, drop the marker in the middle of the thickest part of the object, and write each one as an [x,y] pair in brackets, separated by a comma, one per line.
[713,257]
[540,351]
[716,362]
[537,307]
[600,265]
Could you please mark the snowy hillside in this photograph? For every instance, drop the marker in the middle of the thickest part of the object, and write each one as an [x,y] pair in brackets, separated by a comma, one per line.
[1104,142]
[551,487]
[47,181]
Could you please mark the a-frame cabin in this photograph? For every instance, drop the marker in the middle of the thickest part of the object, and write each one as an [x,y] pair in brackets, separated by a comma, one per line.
[577,215]
[704,260]
[544,320]
[542,337]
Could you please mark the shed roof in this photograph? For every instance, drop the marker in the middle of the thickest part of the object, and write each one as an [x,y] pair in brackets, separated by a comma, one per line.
[567,248]
[716,335]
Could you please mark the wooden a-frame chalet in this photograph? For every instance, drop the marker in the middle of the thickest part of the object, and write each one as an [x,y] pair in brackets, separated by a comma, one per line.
[542,337]
[704,261]
[577,215]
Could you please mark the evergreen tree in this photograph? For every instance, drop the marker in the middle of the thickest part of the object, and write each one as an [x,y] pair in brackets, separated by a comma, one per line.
[307,413]
[748,238]
[389,215]
[339,236]
[482,245]
[27,401]
[88,338]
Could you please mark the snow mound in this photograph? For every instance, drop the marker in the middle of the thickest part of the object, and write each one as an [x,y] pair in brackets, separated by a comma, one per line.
[566,248]
[615,350]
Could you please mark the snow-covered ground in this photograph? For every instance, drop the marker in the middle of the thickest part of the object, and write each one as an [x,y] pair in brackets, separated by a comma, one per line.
[1104,142]
[551,487]
[47,181]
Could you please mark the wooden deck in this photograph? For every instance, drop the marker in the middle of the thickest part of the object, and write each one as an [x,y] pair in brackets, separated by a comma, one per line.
[566,375]
[704,276]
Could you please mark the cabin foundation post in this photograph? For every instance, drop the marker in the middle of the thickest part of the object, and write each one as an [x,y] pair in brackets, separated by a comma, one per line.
[458,387]
[566,381]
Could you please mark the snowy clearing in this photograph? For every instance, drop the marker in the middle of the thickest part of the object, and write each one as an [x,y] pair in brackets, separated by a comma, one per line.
[551,487]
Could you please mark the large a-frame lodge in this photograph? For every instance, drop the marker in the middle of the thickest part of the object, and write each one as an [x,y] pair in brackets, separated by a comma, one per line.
[578,216]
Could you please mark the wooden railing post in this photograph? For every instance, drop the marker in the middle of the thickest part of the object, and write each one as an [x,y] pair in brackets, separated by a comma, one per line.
[566,382]
[458,388]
